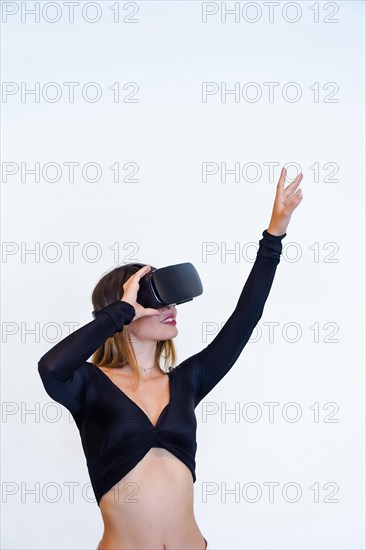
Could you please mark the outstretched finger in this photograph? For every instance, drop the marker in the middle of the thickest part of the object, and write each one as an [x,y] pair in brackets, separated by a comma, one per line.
[292,186]
[296,199]
[281,181]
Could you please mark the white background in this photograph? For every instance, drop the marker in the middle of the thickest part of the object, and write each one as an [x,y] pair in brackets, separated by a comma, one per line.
[170,212]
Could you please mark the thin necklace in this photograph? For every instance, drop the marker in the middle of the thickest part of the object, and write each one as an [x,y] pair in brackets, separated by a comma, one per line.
[142,368]
[149,368]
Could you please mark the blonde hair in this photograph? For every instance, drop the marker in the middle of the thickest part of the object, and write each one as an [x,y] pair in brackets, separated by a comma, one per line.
[117,351]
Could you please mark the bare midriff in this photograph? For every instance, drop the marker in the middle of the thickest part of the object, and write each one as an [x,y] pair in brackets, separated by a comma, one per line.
[152,507]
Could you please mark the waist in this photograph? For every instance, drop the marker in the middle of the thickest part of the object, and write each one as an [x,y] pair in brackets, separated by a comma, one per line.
[109,467]
[157,490]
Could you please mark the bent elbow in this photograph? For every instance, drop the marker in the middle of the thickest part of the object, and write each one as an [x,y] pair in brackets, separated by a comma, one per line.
[46,366]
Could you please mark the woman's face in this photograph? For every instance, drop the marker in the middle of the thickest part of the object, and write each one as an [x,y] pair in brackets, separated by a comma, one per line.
[153,328]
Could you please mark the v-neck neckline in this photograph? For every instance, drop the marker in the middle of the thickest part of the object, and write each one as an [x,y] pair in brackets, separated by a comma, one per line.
[135,404]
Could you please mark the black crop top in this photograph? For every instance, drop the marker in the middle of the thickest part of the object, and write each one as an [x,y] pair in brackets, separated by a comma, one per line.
[115,432]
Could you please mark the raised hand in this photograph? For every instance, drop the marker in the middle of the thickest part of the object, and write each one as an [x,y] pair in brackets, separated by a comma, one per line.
[286,200]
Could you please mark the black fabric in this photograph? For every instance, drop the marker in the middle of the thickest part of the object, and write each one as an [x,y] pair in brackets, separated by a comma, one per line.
[115,432]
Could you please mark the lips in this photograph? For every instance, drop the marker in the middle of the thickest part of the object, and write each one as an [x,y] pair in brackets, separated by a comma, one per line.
[168,318]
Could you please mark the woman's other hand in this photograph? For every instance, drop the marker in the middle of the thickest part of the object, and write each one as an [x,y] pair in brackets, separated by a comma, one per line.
[286,201]
[130,290]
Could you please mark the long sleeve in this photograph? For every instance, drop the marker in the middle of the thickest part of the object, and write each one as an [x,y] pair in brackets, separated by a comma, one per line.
[210,365]
[63,370]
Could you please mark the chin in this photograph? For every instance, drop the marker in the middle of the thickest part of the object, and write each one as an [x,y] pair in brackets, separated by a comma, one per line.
[168,337]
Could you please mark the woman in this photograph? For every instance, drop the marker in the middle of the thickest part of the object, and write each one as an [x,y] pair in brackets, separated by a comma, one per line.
[136,419]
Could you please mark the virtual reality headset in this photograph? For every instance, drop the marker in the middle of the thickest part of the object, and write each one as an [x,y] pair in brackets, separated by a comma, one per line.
[173,284]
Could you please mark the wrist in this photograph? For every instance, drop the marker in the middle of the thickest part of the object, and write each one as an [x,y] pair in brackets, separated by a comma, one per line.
[276,231]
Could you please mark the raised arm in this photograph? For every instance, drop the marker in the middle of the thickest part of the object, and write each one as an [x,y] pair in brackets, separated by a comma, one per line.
[63,370]
[207,367]
[210,365]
